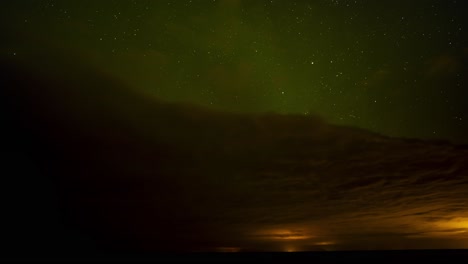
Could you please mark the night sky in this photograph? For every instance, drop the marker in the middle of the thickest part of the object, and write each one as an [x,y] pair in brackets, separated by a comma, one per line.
[394,67]
[235,125]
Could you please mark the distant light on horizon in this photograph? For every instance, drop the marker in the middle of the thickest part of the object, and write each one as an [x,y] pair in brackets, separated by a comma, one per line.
[283,234]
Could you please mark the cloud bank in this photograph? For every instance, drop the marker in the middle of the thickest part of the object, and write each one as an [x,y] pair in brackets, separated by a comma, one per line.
[94,164]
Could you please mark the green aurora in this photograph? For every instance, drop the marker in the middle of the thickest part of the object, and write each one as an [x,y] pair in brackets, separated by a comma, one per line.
[394,67]
[233,125]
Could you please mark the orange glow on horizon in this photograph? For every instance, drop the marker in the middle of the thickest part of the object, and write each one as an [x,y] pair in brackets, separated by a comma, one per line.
[228,249]
[457,223]
[325,243]
[290,249]
[283,234]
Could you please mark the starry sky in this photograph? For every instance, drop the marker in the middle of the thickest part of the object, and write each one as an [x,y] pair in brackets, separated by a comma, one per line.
[393,67]
[233,125]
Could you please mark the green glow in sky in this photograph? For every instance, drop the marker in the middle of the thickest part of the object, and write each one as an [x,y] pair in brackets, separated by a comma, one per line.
[394,67]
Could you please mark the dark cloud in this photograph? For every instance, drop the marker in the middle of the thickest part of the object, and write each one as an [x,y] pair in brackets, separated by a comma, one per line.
[93,163]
